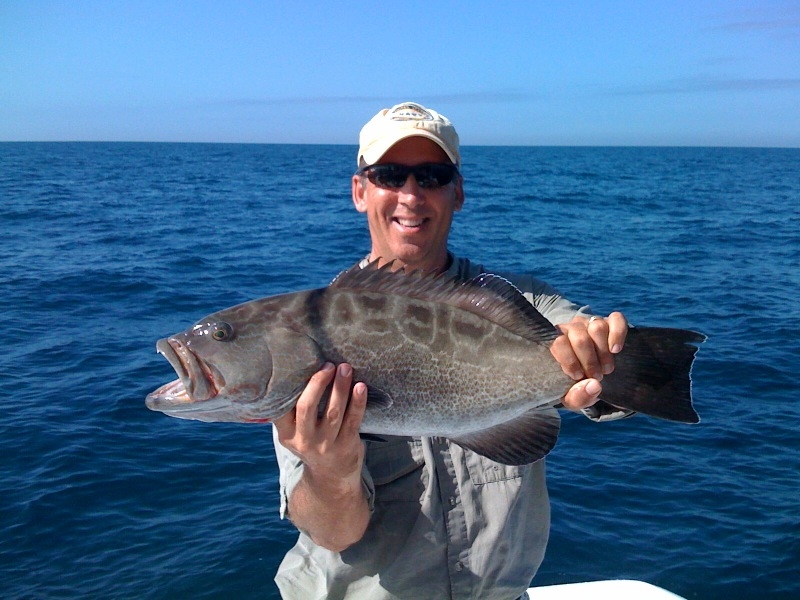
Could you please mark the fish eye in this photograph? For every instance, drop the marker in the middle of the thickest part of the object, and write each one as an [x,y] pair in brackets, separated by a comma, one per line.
[222,332]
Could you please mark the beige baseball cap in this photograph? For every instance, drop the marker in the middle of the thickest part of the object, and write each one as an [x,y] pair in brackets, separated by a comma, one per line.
[401,121]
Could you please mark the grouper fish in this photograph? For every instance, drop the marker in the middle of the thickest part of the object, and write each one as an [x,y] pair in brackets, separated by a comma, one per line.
[468,360]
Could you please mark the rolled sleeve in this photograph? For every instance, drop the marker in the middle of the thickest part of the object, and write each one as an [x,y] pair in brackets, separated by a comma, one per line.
[290,471]
[602,411]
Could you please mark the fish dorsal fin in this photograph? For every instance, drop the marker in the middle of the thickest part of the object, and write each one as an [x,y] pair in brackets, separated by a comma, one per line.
[489,296]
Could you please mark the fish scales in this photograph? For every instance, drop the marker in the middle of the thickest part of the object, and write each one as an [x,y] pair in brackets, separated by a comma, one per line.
[447,371]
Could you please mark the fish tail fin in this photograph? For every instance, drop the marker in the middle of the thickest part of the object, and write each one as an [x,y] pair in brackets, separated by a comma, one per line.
[653,374]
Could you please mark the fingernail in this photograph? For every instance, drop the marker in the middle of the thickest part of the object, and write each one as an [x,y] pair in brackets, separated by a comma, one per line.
[576,375]
[345,370]
[327,366]
[608,368]
[593,388]
[616,349]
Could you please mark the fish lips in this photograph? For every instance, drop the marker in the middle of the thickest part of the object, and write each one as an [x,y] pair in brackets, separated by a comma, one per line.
[198,382]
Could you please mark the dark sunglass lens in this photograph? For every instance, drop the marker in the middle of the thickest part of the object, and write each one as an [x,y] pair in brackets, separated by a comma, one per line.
[444,174]
[431,175]
[388,176]
[434,175]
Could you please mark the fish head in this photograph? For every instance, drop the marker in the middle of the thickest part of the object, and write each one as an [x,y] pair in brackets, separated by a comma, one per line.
[224,367]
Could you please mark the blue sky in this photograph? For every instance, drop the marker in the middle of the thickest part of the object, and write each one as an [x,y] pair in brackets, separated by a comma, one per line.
[528,72]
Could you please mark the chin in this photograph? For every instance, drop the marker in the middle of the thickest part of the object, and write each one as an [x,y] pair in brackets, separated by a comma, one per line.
[415,260]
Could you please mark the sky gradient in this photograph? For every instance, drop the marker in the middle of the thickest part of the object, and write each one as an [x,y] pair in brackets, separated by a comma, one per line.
[702,73]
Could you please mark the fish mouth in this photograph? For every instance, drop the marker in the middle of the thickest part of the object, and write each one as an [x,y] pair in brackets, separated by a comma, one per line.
[198,381]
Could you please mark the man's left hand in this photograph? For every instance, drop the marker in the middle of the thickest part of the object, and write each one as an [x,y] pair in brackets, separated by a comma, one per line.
[586,353]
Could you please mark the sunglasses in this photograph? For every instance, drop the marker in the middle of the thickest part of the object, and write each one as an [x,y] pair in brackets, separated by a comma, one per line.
[427,175]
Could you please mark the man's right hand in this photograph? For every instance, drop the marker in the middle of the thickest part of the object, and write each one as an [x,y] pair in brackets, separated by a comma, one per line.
[328,503]
[329,444]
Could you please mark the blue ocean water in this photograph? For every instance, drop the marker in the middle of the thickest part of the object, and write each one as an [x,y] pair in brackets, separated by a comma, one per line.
[108,247]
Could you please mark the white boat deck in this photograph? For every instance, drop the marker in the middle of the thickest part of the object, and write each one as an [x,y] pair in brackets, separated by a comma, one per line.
[620,589]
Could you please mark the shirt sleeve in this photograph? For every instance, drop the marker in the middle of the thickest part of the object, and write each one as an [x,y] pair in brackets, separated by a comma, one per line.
[548,300]
[602,411]
[290,471]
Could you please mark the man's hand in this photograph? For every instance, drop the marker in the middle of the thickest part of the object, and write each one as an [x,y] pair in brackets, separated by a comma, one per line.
[586,353]
[328,502]
[329,444]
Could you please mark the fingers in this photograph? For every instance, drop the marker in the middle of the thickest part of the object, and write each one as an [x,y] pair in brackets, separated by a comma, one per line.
[346,409]
[307,407]
[340,393]
[595,356]
[586,353]
[617,332]
[342,412]
[588,346]
[355,411]
[577,351]
[329,443]
[300,417]
[582,395]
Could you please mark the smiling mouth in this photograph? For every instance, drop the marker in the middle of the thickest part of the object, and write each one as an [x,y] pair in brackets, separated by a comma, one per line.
[410,223]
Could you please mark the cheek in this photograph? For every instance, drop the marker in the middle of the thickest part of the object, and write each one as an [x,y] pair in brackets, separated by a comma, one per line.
[378,205]
[446,208]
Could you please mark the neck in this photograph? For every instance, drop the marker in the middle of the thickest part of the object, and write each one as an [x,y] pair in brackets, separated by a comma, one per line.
[440,265]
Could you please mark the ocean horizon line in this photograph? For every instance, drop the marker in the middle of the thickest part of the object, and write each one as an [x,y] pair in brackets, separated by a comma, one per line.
[353,145]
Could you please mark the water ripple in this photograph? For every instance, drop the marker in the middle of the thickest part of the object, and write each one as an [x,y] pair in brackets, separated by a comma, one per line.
[110,246]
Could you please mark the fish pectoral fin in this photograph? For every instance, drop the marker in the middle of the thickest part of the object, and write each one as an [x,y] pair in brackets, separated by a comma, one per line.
[378,399]
[521,441]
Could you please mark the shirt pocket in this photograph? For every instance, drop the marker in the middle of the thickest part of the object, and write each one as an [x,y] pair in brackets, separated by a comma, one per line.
[482,470]
[396,468]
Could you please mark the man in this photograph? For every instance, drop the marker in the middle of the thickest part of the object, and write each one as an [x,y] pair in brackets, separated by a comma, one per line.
[420,517]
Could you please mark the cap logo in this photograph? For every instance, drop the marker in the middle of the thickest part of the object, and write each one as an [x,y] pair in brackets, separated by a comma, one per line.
[410,112]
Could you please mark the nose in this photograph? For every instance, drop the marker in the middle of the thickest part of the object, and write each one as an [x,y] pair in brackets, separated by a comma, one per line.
[411,194]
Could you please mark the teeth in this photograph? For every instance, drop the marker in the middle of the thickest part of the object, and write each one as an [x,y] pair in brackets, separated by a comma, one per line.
[410,222]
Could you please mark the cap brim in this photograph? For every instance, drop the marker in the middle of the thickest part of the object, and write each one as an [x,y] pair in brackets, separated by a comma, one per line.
[377,150]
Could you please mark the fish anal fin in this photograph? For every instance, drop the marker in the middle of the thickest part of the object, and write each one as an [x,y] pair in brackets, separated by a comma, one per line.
[521,441]
[372,437]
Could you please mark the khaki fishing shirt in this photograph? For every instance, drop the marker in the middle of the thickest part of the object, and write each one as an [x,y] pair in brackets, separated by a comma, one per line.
[446,522]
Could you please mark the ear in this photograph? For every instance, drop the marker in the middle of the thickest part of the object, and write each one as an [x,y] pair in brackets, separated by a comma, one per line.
[359,193]
[458,202]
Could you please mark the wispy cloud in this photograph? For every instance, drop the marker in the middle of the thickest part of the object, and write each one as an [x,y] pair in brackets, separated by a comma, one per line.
[780,22]
[466,97]
[778,25]
[697,85]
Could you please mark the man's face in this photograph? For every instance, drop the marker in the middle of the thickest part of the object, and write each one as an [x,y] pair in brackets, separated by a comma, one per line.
[410,224]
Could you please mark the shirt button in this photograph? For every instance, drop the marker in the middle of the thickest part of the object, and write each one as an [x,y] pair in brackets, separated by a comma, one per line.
[452,500]
[459,566]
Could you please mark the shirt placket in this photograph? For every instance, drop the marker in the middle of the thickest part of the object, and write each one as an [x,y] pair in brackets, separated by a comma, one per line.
[455,521]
